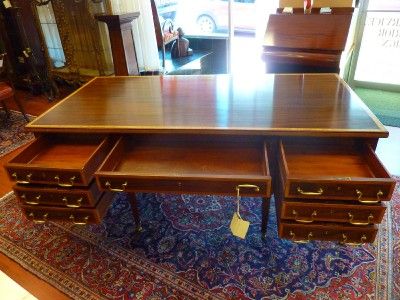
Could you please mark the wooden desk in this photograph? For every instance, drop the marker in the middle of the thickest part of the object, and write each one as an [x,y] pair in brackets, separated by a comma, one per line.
[308,136]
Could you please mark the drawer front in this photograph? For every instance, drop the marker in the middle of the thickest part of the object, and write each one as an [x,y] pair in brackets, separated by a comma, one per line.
[310,212]
[333,169]
[63,161]
[365,192]
[72,198]
[185,185]
[78,216]
[347,235]
[61,178]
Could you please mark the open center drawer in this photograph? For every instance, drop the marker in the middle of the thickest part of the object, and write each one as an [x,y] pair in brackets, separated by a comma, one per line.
[186,164]
[333,169]
[61,160]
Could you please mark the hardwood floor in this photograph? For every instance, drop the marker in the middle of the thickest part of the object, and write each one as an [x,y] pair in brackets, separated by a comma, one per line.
[388,150]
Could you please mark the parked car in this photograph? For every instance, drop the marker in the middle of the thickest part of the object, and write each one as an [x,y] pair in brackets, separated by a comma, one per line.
[211,16]
[166,8]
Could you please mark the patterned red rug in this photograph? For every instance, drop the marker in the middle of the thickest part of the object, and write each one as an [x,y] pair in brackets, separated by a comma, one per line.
[187,252]
[12,132]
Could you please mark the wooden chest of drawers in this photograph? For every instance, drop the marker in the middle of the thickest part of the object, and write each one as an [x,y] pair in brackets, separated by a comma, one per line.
[55,178]
[330,189]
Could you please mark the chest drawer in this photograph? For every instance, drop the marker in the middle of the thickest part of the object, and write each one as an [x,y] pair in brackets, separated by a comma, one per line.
[304,233]
[80,216]
[183,164]
[61,160]
[332,169]
[307,212]
[67,197]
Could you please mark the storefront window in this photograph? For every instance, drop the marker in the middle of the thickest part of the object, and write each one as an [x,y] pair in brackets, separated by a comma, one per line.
[379,54]
[209,17]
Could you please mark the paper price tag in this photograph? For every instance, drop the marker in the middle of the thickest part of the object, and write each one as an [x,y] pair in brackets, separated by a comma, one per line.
[7,3]
[239,227]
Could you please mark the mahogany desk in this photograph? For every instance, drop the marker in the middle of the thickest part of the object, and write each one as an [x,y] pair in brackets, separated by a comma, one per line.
[307,136]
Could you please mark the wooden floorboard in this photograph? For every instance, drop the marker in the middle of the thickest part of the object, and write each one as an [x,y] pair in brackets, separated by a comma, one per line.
[30,282]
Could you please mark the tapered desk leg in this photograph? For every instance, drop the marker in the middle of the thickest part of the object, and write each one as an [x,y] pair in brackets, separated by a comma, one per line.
[135,211]
[265,214]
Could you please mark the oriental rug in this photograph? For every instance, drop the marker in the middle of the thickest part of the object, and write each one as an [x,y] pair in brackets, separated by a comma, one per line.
[186,251]
[12,132]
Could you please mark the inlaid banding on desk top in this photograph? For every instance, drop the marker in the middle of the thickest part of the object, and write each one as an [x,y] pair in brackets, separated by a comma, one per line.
[214,103]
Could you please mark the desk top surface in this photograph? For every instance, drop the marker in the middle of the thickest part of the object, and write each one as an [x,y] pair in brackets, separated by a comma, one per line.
[290,104]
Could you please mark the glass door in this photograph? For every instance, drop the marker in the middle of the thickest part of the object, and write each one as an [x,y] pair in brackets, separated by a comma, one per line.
[377,53]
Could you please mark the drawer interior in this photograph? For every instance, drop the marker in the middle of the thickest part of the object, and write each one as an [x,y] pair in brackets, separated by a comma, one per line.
[330,158]
[60,151]
[187,156]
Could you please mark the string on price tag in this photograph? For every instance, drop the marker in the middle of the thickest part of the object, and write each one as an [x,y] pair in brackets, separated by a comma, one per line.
[239,226]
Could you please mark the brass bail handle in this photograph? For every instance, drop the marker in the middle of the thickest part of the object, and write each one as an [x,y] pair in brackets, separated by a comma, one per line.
[369,221]
[77,205]
[238,197]
[319,192]
[111,189]
[38,221]
[345,242]
[304,220]
[59,183]
[83,222]
[293,238]
[379,194]
[27,181]
[30,202]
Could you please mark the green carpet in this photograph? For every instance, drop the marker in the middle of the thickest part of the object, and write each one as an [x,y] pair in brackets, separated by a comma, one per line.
[385,105]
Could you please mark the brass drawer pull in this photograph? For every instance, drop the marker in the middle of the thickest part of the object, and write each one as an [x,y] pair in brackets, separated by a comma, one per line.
[71,180]
[77,205]
[23,196]
[293,238]
[37,221]
[360,194]
[317,193]
[250,186]
[122,189]
[83,222]
[309,220]
[27,181]
[352,222]
[344,241]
